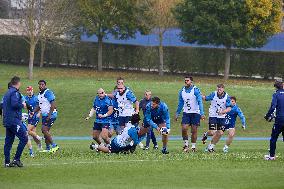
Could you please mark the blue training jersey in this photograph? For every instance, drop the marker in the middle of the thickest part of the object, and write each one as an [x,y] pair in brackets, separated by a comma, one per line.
[115,114]
[32,101]
[198,95]
[159,113]
[277,104]
[101,106]
[232,115]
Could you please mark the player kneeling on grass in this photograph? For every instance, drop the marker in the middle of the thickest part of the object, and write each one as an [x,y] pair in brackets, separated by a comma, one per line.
[103,108]
[157,116]
[231,122]
[124,142]
[278,127]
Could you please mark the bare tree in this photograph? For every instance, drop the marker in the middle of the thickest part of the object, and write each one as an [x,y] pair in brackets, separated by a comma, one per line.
[162,19]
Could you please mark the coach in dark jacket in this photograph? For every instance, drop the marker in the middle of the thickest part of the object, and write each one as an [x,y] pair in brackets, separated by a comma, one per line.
[12,121]
[277,105]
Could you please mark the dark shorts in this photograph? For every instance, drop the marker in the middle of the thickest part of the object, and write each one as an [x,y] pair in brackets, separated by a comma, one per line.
[145,124]
[100,126]
[191,119]
[217,123]
[114,147]
[49,122]
[123,120]
[33,120]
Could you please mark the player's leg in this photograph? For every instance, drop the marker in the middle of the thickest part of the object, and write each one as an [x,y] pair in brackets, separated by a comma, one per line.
[231,134]
[105,133]
[22,134]
[165,139]
[9,140]
[46,126]
[184,130]
[212,128]
[153,138]
[148,137]
[194,122]
[34,135]
[276,130]
[96,133]
[29,144]
[218,134]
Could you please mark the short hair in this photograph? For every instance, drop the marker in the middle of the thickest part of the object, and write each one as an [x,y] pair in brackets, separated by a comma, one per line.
[15,80]
[234,98]
[9,85]
[42,81]
[120,78]
[278,84]
[156,100]
[135,118]
[147,91]
[190,77]
[221,85]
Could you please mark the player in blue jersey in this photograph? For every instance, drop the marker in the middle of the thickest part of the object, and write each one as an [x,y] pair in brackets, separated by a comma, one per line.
[124,142]
[125,99]
[150,134]
[278,127]
[47,107]
[158,117]
[103,108]
[32,102]
[219,106]
[231,122]
[190,101]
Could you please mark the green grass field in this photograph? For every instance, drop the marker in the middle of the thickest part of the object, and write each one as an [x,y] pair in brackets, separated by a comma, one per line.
[75,166]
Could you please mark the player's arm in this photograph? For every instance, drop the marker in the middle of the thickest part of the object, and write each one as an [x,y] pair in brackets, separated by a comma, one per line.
[148,117]
[180,105]
[272,107]
[133,135]
[91,113]
[228,107]
[242,117]
[198,95]
[130,96]
[209,97]
[167,116]
[52,108]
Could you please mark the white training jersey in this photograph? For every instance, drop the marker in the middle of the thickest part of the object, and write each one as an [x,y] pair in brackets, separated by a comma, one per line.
[44,104]
[125,106]
[124,139]
[190,104]
[217,105]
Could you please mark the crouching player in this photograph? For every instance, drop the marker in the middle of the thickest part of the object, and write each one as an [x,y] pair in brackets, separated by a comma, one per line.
[103,108]
[157,116]
[124,142]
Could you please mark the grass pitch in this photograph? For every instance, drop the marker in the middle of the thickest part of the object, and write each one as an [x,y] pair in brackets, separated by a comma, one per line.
[75,166]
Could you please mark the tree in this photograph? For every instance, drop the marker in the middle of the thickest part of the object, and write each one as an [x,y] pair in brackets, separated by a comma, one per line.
[102,17]
[161,19]
[230,23]
[4,9]
[60,17]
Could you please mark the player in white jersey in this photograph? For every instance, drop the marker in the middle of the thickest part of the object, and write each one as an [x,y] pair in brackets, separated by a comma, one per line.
[219,106]
[47,106]
[190,101]
[126,141]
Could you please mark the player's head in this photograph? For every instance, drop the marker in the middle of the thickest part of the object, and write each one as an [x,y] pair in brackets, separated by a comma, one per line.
[15,82]
[155,102]
[120,88]
[148,94]
[278,84]
[220,88]
[188,80]
[119,81]
[135,118]
[233,100]
[41,85]
[30,91]
[101,93]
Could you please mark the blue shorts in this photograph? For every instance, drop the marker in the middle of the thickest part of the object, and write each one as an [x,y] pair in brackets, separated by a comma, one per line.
[114,147]
[49,122]
[114,125]
[217,123]
[191,119]
[123,120]
[229,126]
[33,120]
[100,126]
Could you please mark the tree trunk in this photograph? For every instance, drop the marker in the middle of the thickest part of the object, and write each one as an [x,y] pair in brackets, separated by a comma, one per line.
[31,61]
[42,50]
[227,63]
[161,54]
[100,53]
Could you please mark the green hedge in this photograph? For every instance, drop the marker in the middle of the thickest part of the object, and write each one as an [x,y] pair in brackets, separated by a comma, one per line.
[207,61]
